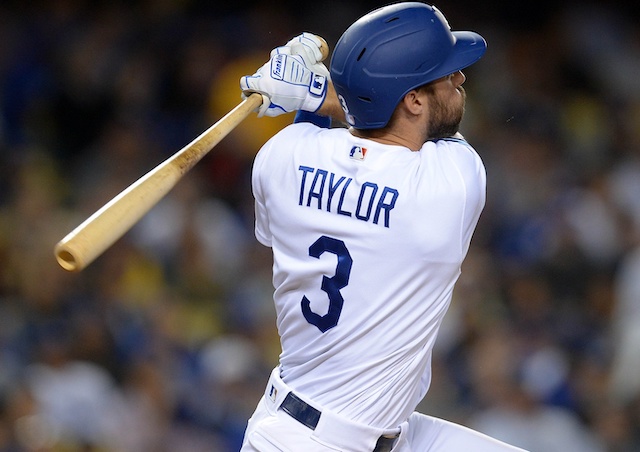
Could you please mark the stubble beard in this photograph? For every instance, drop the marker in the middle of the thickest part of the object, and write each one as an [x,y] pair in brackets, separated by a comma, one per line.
[445,119]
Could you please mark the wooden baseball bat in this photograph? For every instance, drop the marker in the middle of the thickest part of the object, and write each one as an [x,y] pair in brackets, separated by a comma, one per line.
[98,232]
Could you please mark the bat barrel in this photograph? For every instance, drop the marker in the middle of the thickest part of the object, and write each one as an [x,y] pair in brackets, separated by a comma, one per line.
[86,242]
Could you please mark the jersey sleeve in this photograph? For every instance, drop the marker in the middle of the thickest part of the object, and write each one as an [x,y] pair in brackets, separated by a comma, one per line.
[473,174]
[305,116]
[262,231]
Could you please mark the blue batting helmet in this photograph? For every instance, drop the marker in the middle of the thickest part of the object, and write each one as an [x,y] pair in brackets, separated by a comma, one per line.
[392,50]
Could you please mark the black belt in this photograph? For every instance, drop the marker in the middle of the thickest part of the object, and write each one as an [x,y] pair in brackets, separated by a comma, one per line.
[309,416]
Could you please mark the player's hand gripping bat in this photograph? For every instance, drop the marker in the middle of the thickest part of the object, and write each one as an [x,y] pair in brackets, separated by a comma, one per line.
[98,232]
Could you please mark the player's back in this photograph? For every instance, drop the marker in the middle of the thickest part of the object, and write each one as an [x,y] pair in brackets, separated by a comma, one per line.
[368,240]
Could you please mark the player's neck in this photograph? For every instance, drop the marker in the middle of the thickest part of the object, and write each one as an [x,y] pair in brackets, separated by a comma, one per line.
[390,137]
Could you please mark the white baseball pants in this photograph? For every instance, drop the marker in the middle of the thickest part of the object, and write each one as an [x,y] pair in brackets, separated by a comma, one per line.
[271,429]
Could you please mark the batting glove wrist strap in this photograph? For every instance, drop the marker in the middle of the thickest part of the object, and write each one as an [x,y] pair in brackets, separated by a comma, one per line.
[286,85]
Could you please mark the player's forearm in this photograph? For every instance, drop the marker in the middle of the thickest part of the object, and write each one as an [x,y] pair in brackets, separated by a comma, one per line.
[331,106]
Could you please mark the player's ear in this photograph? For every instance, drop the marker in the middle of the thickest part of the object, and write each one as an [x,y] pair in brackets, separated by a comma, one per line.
[415,101]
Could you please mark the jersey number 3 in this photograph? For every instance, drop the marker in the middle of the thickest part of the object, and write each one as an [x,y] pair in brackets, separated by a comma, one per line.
[331,285]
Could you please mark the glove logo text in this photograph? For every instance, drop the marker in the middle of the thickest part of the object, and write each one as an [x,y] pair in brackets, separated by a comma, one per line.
[277,67]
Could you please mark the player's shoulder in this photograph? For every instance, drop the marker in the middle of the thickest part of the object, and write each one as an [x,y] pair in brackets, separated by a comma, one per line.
[297,130]
[306,132]
[452,142]
[297,138]
[455,145]
[456,150]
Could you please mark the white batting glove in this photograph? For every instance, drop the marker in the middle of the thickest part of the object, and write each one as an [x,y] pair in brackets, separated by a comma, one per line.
[307,45]
[286,85]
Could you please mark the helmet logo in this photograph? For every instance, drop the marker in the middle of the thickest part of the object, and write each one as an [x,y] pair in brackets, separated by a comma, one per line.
[349,117]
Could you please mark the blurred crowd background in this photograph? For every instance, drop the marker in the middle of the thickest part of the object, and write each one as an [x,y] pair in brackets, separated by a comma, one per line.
[165,342]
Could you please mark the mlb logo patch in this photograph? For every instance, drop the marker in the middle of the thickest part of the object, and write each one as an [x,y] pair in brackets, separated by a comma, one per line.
[273,393]
[317,84]
[358,152]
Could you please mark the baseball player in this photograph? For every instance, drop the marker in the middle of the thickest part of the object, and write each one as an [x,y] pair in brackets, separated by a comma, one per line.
[369,225]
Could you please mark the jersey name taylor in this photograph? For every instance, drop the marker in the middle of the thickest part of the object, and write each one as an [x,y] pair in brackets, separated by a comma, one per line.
[326,190]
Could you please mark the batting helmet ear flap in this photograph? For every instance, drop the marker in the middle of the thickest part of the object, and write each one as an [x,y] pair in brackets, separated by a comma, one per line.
[391,50]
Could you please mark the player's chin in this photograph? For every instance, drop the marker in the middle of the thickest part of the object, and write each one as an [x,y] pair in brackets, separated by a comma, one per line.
[445,130]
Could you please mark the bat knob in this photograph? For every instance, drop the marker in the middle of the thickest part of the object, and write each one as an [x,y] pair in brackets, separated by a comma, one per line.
[65,258]
[324,48]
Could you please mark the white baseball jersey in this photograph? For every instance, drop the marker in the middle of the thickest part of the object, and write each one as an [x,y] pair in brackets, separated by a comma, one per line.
[368,240]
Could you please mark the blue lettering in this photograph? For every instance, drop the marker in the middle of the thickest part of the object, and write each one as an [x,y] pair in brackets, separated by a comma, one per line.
[344,191]
[363,191]
[305,170]
[333,188]
[367,199]
[317,194]
[386,206]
